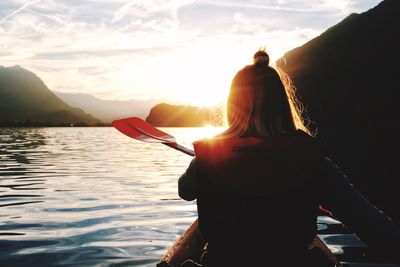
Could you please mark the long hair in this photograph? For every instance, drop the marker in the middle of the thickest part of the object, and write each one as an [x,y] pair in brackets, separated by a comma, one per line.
[262,102]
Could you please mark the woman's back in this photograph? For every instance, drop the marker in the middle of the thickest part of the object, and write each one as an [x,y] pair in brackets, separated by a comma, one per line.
[253,196]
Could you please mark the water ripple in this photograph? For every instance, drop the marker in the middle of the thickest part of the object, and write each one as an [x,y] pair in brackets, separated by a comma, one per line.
[89,197]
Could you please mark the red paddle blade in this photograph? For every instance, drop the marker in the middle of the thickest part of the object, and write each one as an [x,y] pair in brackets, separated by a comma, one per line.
[141,130]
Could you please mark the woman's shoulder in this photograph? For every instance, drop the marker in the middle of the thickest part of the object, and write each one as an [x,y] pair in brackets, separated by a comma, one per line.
[297,147]
[296,137]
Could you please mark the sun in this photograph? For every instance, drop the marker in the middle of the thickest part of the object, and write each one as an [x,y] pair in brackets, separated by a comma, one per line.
[200,75]
[197,74]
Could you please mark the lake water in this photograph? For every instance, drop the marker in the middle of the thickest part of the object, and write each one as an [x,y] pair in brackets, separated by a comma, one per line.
[94,197]
[90,197]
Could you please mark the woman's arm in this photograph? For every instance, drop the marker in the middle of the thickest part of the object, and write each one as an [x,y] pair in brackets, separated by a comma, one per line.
[369,223]
[187,182]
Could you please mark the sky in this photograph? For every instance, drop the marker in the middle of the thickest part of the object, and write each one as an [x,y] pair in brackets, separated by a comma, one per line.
[185,51]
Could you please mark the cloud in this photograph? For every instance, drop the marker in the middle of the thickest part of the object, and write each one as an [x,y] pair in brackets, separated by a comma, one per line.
[257,5]
[127,49]
[85,54]
[142,8]
[19,10]
[122,12]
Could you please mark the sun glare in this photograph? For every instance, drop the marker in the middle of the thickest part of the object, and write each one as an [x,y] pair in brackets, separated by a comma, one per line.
[198,75]
[200,133]
[209,131]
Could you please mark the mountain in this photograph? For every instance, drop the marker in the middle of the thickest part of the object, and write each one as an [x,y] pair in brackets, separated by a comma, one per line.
[166,115]
[26,100]
[108,110]
[348,78]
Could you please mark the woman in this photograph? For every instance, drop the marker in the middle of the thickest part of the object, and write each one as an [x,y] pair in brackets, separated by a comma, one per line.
[261,182]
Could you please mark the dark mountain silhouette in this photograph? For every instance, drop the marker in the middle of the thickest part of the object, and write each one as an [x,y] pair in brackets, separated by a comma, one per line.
[166,115]
[348,78]
[108,110]
[26,100]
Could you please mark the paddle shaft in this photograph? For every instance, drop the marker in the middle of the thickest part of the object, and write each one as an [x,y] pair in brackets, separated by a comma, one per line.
[181,148]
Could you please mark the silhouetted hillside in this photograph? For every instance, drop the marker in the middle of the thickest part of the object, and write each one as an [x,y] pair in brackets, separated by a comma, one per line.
[26,100]
[165,115]
[108,110]
[348,78]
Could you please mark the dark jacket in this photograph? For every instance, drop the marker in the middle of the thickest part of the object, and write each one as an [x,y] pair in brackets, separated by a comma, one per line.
[253,195]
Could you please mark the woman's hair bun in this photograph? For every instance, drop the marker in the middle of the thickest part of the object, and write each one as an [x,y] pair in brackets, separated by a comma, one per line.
[261,58]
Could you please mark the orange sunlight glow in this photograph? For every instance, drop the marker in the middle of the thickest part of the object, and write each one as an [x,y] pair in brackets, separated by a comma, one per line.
[209,131]
[199,75]
[200,133]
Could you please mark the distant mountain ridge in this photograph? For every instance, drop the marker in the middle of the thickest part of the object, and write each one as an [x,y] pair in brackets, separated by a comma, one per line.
[26,100]
[108,110]
[166,115]
[348,78]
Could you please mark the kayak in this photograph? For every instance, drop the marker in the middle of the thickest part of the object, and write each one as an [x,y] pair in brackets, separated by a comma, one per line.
[337,245]
[191,245]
